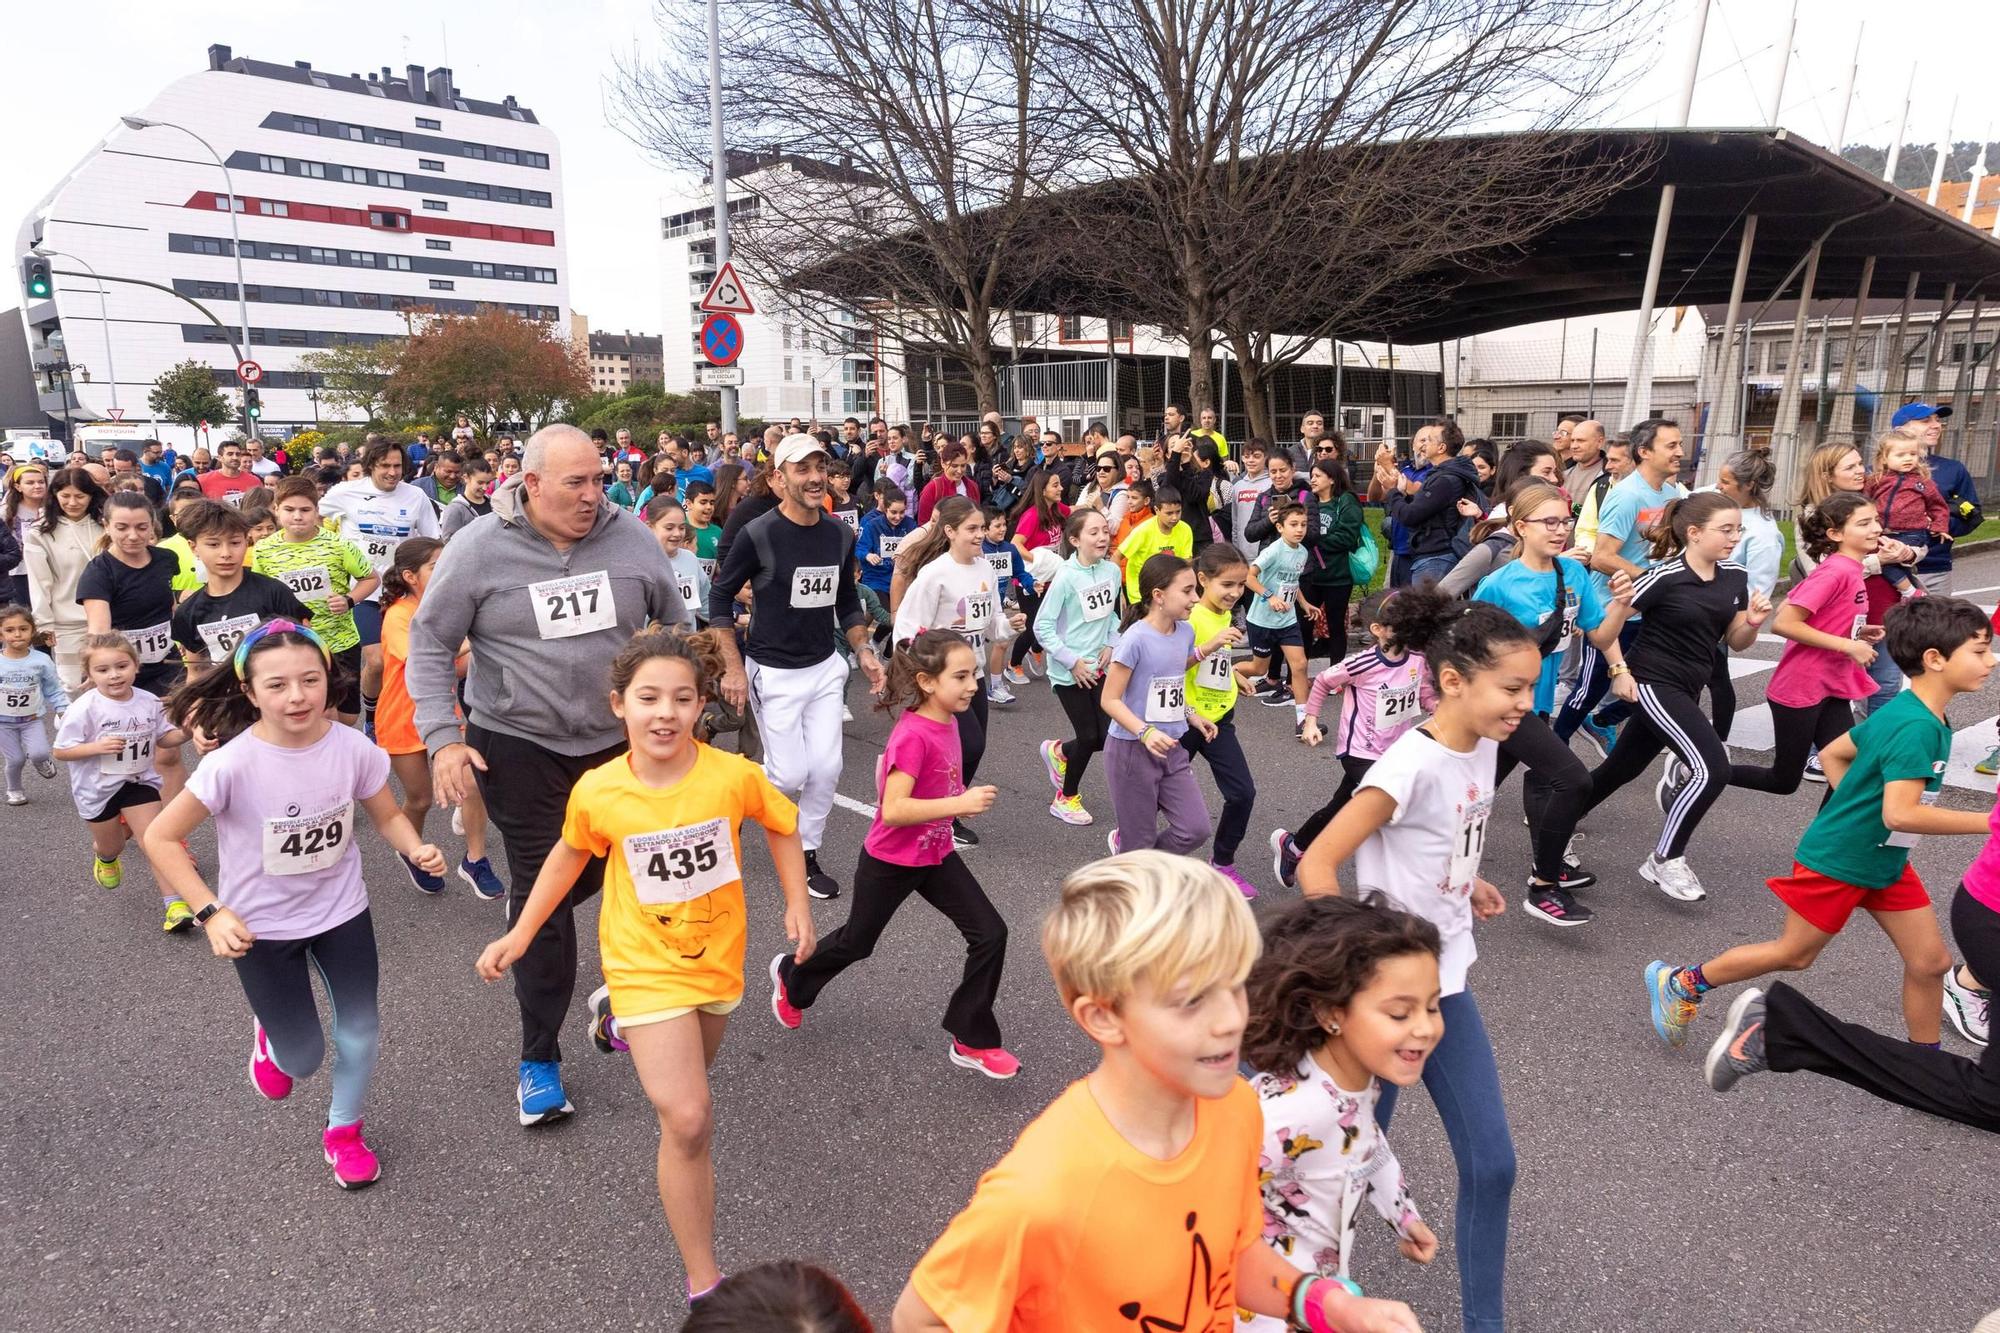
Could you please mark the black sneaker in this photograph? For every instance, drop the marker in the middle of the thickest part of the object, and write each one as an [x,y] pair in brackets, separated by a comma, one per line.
[1552,903]
[1574,878]
[819,884]
[1274,694]
[961,836]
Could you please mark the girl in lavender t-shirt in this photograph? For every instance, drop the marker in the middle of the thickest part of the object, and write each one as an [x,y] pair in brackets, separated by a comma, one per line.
[1830,643]
[283,790]
[921,788]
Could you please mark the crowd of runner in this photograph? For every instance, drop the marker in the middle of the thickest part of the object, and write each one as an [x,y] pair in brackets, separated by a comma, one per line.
[265,641]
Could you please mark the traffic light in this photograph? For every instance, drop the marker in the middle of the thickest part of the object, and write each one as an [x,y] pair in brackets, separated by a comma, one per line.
[35,277]
[252,408]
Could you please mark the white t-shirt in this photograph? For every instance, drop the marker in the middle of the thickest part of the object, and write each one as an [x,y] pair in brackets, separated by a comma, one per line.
[378,521]
[692,581]
[1425,858]
[947,595]
[1244,493]
[264,467]
[141,719]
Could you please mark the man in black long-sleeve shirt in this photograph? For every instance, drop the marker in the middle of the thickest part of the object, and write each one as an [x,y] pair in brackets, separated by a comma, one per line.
[799,565]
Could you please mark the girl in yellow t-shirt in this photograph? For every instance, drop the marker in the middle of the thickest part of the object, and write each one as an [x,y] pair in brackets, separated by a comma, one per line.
[671,929]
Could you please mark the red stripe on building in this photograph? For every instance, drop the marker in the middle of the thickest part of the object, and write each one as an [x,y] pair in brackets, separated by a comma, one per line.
[412,224]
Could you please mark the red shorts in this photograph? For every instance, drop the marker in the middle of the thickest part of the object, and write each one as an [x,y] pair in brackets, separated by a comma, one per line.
[1827,903]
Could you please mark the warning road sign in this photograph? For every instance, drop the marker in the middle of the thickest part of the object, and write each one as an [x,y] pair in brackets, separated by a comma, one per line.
[721,339]
[727,295]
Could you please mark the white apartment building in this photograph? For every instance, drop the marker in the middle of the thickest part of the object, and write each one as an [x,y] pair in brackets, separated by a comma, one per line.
[361,200]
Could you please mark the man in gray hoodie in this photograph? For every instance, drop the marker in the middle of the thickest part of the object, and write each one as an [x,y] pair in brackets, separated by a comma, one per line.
[549,587]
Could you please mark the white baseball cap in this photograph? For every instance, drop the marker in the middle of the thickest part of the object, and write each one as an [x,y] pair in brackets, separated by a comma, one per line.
[795,449]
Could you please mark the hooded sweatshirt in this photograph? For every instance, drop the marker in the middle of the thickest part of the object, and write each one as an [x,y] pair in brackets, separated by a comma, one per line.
[543,630]
[1431,515]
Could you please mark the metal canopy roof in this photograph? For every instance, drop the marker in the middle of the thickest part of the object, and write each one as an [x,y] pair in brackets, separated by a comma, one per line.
[1596,263]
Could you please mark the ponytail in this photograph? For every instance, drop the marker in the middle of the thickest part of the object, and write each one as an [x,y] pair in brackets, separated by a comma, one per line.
[1669,535]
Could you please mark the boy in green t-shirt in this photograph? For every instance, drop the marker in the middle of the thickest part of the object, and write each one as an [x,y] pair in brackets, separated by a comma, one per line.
[703,531]
[1164,531]
[1885,776]
[326,572]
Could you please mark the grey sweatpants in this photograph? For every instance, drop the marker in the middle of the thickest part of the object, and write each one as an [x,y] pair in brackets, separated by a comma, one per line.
[1145,786]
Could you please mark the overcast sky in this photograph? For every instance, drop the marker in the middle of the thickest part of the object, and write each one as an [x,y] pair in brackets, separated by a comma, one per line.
[107,58]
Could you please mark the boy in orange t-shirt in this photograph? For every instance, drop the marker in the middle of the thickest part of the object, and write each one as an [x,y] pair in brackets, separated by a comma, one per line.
[1132,1200]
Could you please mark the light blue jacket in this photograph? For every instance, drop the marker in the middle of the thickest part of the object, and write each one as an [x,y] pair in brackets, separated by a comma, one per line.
[1066,632]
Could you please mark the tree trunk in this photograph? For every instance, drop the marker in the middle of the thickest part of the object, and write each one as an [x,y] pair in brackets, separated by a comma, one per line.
[985,379]
[1255,377]
[1201,346]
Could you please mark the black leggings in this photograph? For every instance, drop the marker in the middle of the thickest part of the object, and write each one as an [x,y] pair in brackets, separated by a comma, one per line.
[1353,769]
[1721,693]
[1667,715]
[1799,731]
[1087,720]
[1798,1034]
[972,730]
[879,889]
[1232,778]
[1554,793]
[1025,642]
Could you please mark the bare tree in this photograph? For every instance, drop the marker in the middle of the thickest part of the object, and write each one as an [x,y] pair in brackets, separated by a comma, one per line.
[911,119]
[1222,121]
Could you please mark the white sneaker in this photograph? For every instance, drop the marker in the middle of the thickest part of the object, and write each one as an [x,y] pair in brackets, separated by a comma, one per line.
[997,691]
[1570,857]
[1967,1008]
[846,713]
[1674,878]
[458,820]
[1015,676]
[17,798]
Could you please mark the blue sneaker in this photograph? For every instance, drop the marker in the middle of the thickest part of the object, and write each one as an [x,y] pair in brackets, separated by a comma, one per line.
[540,1094]
[1598,737]
[423,879]
[479,874]
[1672,1011]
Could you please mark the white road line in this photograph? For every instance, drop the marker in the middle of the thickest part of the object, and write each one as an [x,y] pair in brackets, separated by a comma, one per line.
[1752,731]
[1739,667]
[867,811]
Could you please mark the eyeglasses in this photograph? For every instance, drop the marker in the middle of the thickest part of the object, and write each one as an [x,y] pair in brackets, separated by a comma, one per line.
[1556,524]
[1106,467]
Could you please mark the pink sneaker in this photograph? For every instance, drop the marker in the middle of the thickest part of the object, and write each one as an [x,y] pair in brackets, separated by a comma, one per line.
[265,1076]
[788,1014]
[353,1163]
[992,1062]
[1243,886]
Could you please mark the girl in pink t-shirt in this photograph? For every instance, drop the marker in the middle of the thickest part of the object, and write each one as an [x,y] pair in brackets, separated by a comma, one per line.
[1825,663]
[921,790]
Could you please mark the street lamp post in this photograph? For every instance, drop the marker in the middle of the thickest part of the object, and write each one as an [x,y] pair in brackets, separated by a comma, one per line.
[103,311]
[229,184]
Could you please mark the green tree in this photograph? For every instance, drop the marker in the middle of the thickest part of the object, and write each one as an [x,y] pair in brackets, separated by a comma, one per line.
[354,377]
[186,395]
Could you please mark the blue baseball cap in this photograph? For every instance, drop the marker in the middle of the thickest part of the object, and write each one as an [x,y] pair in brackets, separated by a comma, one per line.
[1909,412]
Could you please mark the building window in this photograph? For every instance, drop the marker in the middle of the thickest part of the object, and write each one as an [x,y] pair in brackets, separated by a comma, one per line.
[354,175]
[535,159]
[392,179]
[432,243]
[1118,328]
[280,252]
[205,245]
[482,270]
[430,164]
[1071,328]
[543,274]
[276,164]
[361,258]
[443,285]
[788,370]
[387,138]
[351,132]
[1510,425]
[388,221]
[274,208]
[437,205]
[507,155]
[424,124]
[537,199]
[319,255]
[305,125]
[1023,329]
[473,150]
[225,204]
[396,261]
[316,170]
[480,192]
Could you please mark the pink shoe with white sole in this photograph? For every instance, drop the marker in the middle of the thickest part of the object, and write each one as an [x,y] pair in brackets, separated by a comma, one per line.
[992,1062]
[353,1162]
[265,1076]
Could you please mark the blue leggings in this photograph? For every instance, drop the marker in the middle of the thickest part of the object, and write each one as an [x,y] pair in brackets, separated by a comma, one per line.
[1232,778]
[1464,1084]
[276,977]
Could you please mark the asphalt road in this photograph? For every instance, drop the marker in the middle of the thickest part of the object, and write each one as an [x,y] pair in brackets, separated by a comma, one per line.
[147,1187]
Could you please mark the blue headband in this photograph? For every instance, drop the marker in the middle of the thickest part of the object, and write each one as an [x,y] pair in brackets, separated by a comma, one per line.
[269,627]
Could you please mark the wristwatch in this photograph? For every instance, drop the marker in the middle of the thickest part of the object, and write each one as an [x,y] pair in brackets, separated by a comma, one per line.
[201,917]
